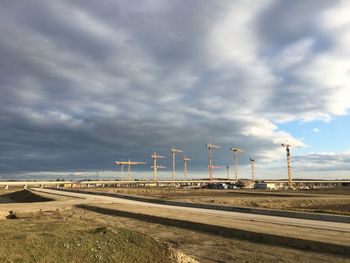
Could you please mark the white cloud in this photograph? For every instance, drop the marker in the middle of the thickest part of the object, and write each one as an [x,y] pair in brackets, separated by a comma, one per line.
[103,80]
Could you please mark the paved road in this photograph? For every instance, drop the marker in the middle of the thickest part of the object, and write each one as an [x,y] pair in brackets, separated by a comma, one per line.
[83,198]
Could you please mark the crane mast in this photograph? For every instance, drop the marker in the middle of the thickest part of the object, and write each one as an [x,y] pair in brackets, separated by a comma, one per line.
[235,152]
[252,162]
[289,163]
[155,167]
[185,159]
[210,147]
[173,151]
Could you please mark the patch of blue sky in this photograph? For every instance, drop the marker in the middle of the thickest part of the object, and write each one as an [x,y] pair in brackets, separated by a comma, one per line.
[321,136]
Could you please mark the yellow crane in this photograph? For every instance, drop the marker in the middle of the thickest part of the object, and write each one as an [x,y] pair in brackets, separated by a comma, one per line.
[185,159]
[173,151]
[235,152]
[210,148]
[128,163]
[252,161]
[155,167]
[289,164]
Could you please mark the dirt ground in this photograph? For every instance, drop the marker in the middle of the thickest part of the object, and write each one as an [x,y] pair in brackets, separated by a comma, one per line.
[54,236]
[333,201]
[202,246]
[171,229]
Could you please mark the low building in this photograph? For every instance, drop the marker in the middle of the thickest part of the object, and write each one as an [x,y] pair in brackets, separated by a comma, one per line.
[218,186]
[265,186]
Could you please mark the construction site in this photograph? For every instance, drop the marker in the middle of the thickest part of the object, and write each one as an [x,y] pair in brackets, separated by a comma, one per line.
[174,131]
[179,220]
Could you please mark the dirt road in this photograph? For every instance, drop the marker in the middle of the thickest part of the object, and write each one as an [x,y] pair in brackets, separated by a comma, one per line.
[312,235]
[82,198]
[87,198]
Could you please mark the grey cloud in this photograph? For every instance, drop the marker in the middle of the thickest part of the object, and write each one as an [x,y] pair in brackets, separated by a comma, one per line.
[323,162]
[299,93]
[89,82]
[285,22]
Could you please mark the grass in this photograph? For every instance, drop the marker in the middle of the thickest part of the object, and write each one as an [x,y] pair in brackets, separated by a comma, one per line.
[61,240]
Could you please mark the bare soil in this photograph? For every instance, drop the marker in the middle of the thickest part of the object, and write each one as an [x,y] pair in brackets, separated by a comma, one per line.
[64,237]
[79,235]
[333,201]
[23,196]
[135,234]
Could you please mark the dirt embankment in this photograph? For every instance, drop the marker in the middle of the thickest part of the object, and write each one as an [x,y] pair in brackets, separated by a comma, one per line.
[23,196]
[52,239]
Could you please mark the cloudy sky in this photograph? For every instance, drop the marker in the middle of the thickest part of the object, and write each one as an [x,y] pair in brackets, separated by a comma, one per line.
[85,83]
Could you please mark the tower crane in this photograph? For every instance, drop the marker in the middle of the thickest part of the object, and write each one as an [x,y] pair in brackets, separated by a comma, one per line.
[155,167]
[128,163]
[173,151]
[289,163]
[235,151]
[185,159]
[210,148]
[252,162]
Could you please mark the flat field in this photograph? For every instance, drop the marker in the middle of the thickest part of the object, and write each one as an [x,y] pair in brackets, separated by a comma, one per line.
[332,201]
[121,232]
[79,235]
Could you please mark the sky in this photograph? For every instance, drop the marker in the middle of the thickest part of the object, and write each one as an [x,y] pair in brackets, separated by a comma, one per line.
[87,83]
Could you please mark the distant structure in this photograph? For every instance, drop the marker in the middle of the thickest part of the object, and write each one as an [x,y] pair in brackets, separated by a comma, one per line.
[185,159]
[210,148]
[235,152]
[228,171]
[121,167]
[289,164]
[173,156]
[252,161]
[128,163]
[155,167]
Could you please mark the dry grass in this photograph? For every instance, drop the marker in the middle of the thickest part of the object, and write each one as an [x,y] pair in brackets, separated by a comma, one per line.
[55,237]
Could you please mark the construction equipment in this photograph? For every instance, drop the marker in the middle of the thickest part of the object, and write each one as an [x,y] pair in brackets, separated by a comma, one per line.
[252,161]
[154,157]
[210,148]
[185,159]
[173,156]
[289,164]
[128,163]
[235,151]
